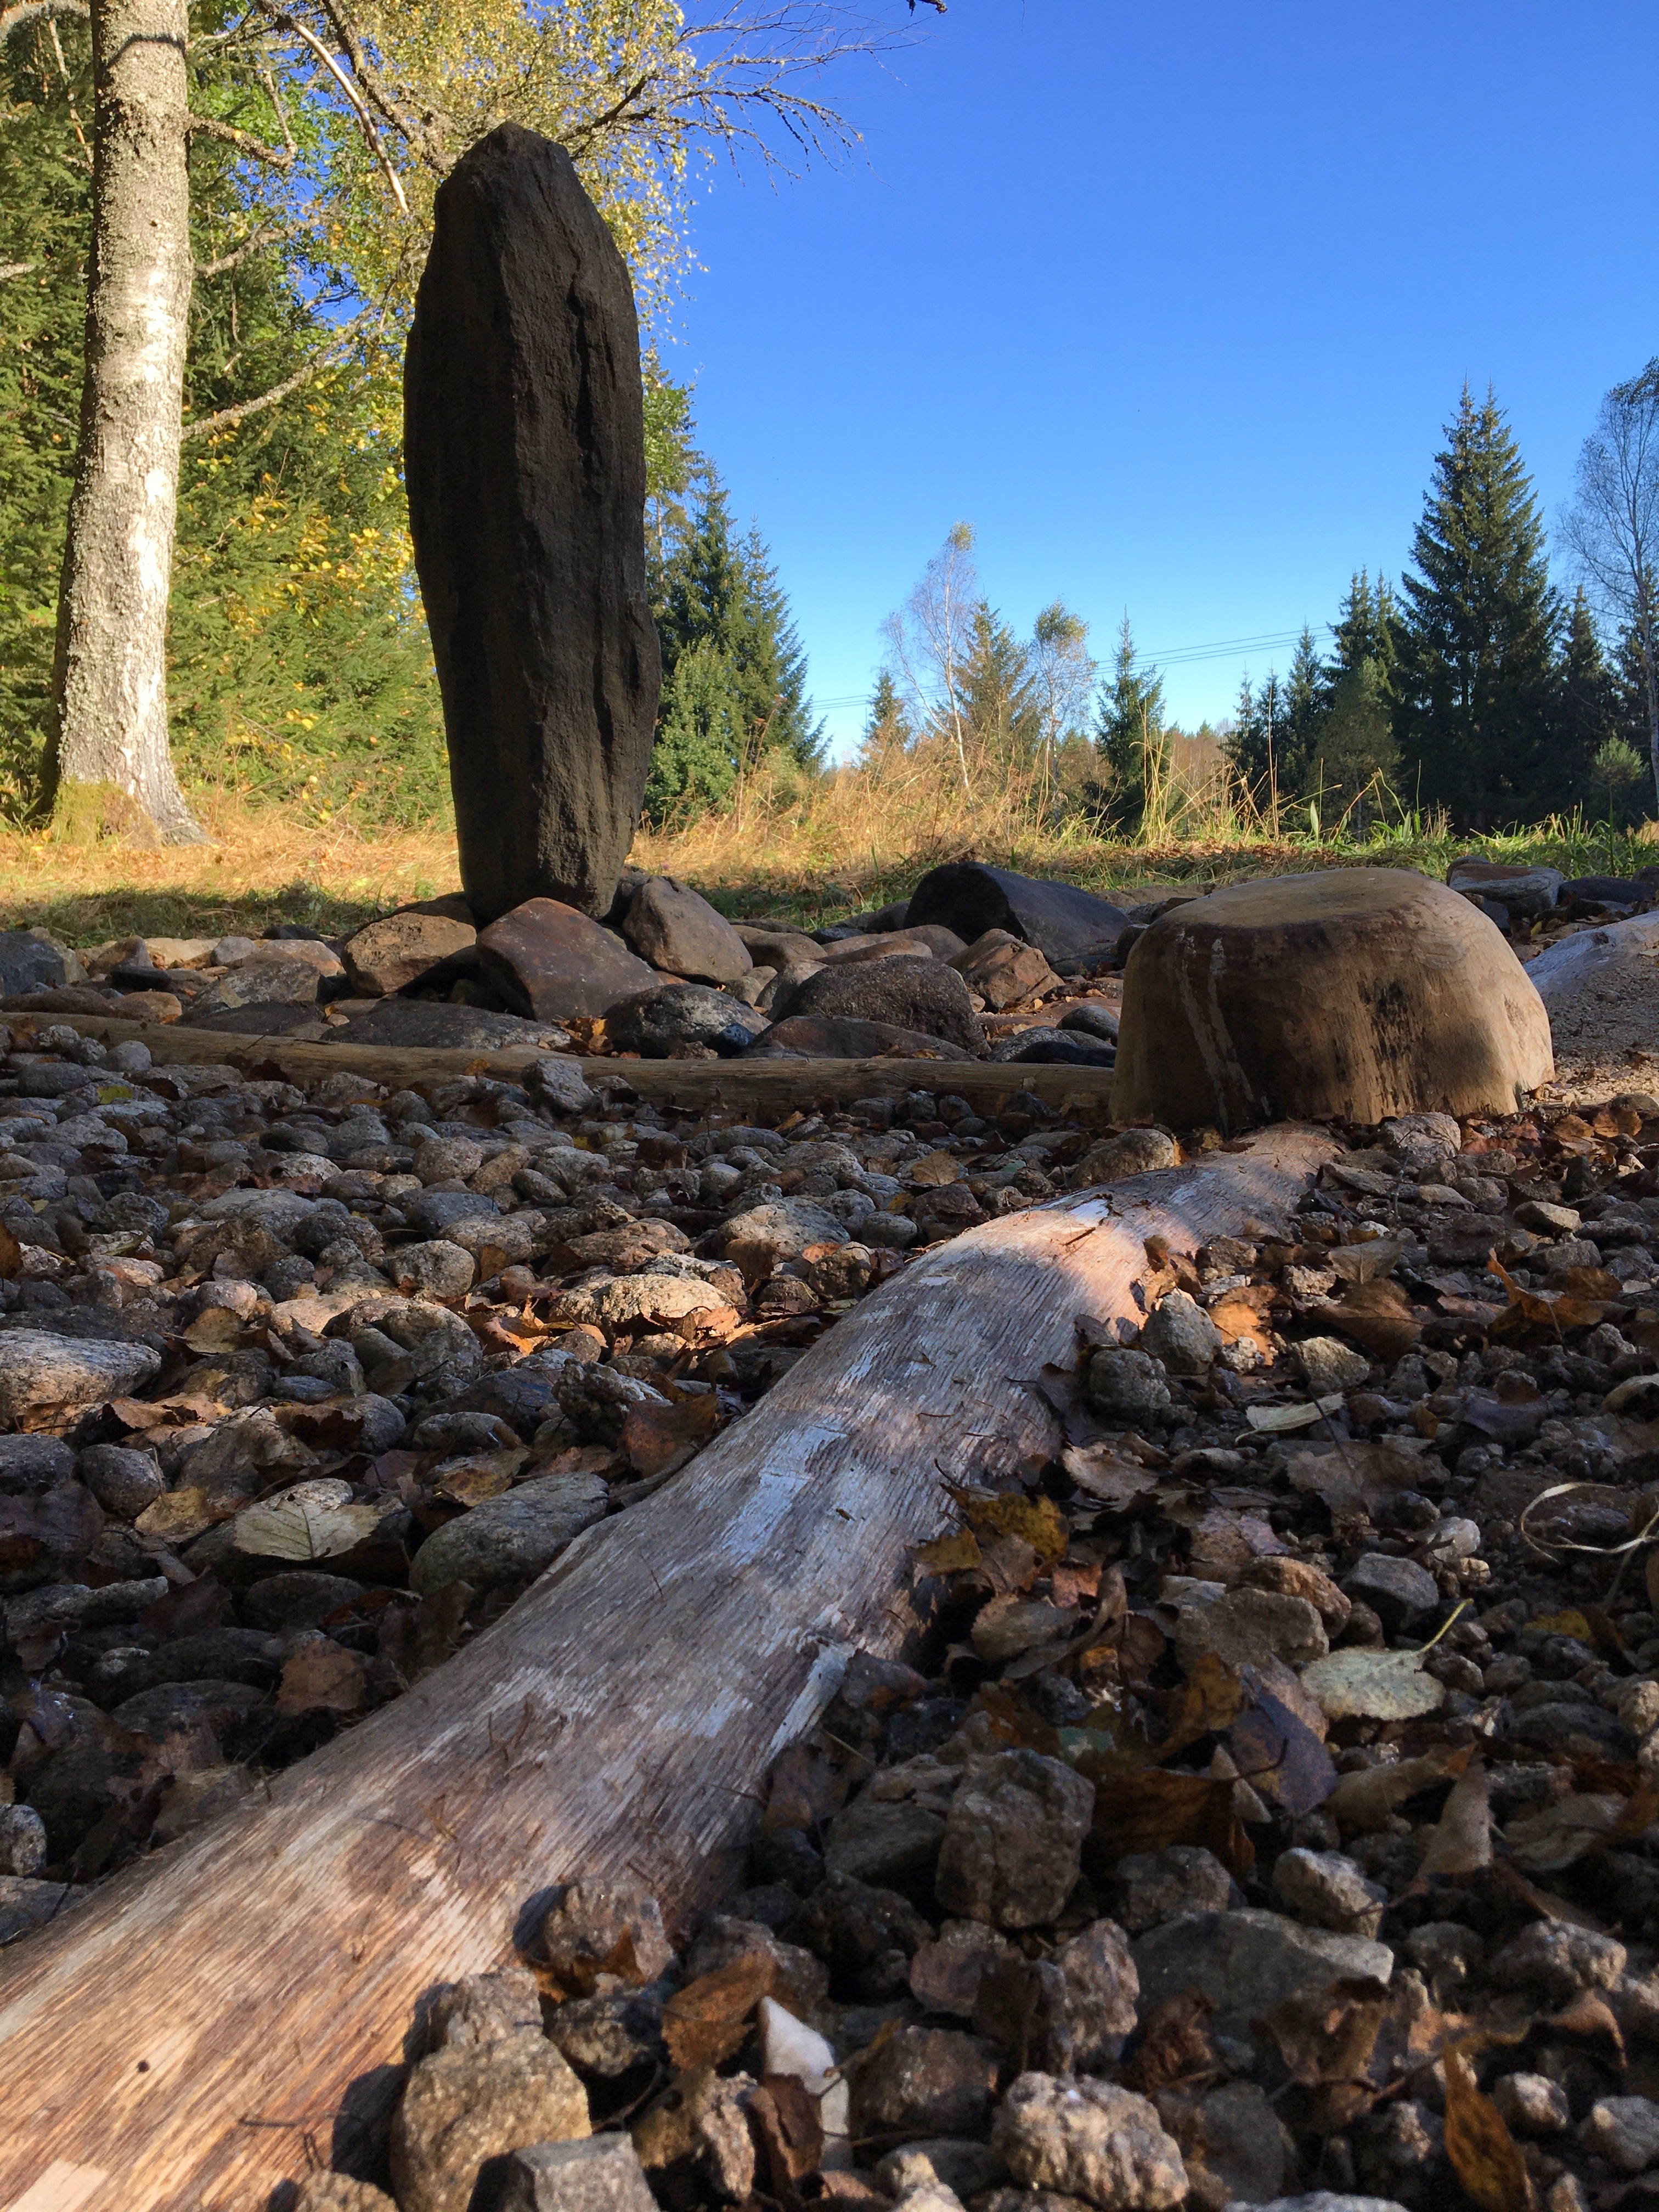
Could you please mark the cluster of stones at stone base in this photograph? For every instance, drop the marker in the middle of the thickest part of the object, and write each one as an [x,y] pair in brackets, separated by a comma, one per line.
[1125,1902]
[664,975]
[299,1388]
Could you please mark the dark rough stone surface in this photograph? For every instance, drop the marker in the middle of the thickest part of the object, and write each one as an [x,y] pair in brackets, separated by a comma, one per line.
[418,1023]
[1072,927]
[273,1018]
[822,1036]
[921,995]
[551,961]
[524,445]
[652,1023]
[29,963]
[1091,1020]
[1056,1047]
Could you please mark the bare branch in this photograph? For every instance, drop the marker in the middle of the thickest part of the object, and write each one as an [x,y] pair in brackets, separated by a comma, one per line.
[40,11]
[10,269]
[426,143]
[266,234]
[228,417]
[365,121]
[209,126]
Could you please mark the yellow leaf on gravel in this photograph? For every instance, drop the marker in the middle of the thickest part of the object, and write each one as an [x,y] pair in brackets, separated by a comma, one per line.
[1483,2155]
[950,1555]
[1038,1520]
[1563,1624]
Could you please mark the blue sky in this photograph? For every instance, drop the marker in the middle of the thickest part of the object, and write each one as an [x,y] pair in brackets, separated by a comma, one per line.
[1171,303]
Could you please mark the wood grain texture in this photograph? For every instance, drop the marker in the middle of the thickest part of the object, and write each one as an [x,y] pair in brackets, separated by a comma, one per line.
[775,1085]
[618,1719]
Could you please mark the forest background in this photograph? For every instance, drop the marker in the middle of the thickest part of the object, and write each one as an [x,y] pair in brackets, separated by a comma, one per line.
[1481,695]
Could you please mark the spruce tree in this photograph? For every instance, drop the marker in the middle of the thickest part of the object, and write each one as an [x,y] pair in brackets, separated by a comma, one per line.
[1305,701]
[1255,748]
[717,590]
[1587,713]
[887,728]
[1130,733]
[1367,628]
[1477,676]
[999,696]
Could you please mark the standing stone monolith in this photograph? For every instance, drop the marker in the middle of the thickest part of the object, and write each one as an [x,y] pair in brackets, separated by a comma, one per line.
[524,439]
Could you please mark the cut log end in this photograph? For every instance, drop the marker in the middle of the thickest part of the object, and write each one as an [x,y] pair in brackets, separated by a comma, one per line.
[1359,993]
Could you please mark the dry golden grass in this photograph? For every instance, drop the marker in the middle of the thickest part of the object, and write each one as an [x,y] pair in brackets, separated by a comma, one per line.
[260,868]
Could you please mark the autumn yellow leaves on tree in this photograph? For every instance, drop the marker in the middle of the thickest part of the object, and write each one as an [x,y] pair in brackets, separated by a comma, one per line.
[283,158]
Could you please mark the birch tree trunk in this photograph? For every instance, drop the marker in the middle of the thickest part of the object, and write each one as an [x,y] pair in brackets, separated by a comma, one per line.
[106,757]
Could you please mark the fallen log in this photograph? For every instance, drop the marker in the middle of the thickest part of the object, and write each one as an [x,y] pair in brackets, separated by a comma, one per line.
[764,1086]
[176,2039]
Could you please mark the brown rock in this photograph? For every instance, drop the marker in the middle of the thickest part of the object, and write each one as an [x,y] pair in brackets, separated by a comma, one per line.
[469,2105]
[1003,968]
[818,1036]
[911,992]
[928,2082]
[553,963]
[391,954]
[681,934]
[607,1926]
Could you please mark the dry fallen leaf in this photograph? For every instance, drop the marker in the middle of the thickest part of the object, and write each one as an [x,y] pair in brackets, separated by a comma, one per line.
[658,1439]
[322,1676]
[313,1521]
[1145,1809]
[1461,1841]
[1483,2155]
[1174,2045]
[178,1515]
[1105,1473]
[1210,1699]
[949,1555]
[11,1255]
[1039,1521]
[215,1329]
[706,2020]
[1377,1686]
[1366,1799]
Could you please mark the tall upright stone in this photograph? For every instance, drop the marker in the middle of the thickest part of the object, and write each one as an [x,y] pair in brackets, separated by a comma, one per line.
[525,453]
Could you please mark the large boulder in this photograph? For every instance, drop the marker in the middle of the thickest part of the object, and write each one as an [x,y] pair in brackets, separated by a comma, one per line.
[1073,928]
[29,962]
[653,1022]
[401,950]
[910,993]
[838,1036]
[1359,993]
[549,960]
[681,934]
[1600,989]
[418,1025]
[523,450]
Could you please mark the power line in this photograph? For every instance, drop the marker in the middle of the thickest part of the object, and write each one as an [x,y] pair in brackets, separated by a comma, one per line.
[1177,656]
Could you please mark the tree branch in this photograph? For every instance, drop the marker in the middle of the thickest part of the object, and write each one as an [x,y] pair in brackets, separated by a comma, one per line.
[266,234]
[365,121]
[39,11]
[10,269]
[209,126]
[228,417]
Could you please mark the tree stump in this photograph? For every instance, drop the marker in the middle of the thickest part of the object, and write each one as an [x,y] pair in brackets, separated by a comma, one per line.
[524,439]
[1358,991]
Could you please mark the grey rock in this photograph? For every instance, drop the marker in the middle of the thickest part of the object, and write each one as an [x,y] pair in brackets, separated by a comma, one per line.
[1181,1333]
[1330,1891]
[1397,1590]
[399,950]
[1126,1385]
[1089,2139]
[928,2081]
[168,1706]
[25,1905]
[1531,2104]
[799,1979]
[1090,2009]
[907,994]
[867,1936]
[1152,1887]
[607,2036]
[883,1842]
[303,1598]
[1235,2144]
[484,2008]
[603,2174]
[1013,1839]
[436,1269]
[1246,1624]
[1525,891]
[680,933]
[1625,2132]
[524,428]
[124,1481]
[1558,1961]
[31,963]
[1249,1961]
[561,1085]
[957,2163]
[1072,928]
[33,1462]
[652,1023]
[469,2105]
[38,1369]
[1328,1366]
[1320,2200]
[22,1840]
[338,2192]
[552,961]
[1055,1047]
[419,1025]
[52,1608]
[1091,1019]
[511,1537]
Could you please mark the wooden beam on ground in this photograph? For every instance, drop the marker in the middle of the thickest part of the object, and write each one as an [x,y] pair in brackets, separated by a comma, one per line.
[171,2041]
[778,1086]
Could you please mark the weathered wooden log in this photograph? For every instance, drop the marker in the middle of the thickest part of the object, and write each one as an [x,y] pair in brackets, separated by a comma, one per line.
[1359,992]
[172,2041]
[780,1085]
